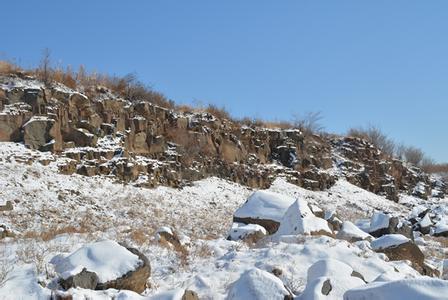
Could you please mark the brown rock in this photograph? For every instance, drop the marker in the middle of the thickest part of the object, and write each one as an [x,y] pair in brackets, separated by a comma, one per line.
[8,206]
[270,225]
[407,251]
[190,295]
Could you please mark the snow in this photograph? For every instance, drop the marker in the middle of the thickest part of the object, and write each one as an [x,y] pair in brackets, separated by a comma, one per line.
[350,231]
[175,294]
[265,205]
[165,229]
[239,231]
[409,289]
[257,284]
[346,199]
[45,200]
[379,221]
[426,221]
[22,284]
[107,259]
[37,119]
[441,226]
[336,272]
[388,240]
[299,219]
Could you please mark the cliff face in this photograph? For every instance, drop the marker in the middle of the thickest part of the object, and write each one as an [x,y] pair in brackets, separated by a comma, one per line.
[148,145]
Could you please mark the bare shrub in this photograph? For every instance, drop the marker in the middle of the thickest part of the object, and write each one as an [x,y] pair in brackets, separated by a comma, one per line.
[31,252]
[6,268]
[434,168]
[44,72]
[375,136]
[413,155]
[310,123]
[219,112]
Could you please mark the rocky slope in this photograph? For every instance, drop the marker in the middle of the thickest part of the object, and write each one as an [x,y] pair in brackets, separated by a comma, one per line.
[138,142]
[341,242]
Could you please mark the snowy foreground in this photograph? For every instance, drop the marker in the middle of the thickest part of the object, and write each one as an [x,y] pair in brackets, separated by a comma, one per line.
[62,224]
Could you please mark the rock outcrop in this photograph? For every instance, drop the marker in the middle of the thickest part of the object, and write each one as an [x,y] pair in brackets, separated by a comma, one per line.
[167,147]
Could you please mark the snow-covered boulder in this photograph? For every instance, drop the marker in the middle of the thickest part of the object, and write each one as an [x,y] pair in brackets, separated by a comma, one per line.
[299,219]
[382,223]
[265,209]
[351,233]
[103,265]
[329,279]
[425,224]
[379,224]
[258,284]
[399,247]
[246,232]
[441,228]
[388,241]
[423,288]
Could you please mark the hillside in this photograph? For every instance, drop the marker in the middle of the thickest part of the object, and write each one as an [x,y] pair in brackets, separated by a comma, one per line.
[203,207]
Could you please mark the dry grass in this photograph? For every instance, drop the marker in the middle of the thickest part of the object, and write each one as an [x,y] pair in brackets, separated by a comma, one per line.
[436,246]
[9,68]
[435,168]
[52,232]
[139,236]
[253,123]
[219,112]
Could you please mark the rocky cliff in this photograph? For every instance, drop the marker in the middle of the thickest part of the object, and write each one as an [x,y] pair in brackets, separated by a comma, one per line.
[100,133]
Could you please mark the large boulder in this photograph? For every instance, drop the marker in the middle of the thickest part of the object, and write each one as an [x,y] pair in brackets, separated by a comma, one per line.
[441,228]
[299,219]
[383,223]
[351,233]
[103,265]
[410,289]
[12,117]
[399,247]
[265,209]
[258,284]
[81,137]
[42,133]
[5,206]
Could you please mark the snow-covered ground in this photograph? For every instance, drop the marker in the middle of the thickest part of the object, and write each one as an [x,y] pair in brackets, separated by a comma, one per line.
[54,215]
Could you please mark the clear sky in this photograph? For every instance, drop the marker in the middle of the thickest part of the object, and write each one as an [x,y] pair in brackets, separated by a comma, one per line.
[359,62]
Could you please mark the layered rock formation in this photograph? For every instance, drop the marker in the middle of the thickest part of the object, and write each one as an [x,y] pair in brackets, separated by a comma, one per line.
[103,134]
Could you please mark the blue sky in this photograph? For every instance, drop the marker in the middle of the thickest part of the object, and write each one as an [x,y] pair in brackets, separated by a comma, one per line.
[358,62]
